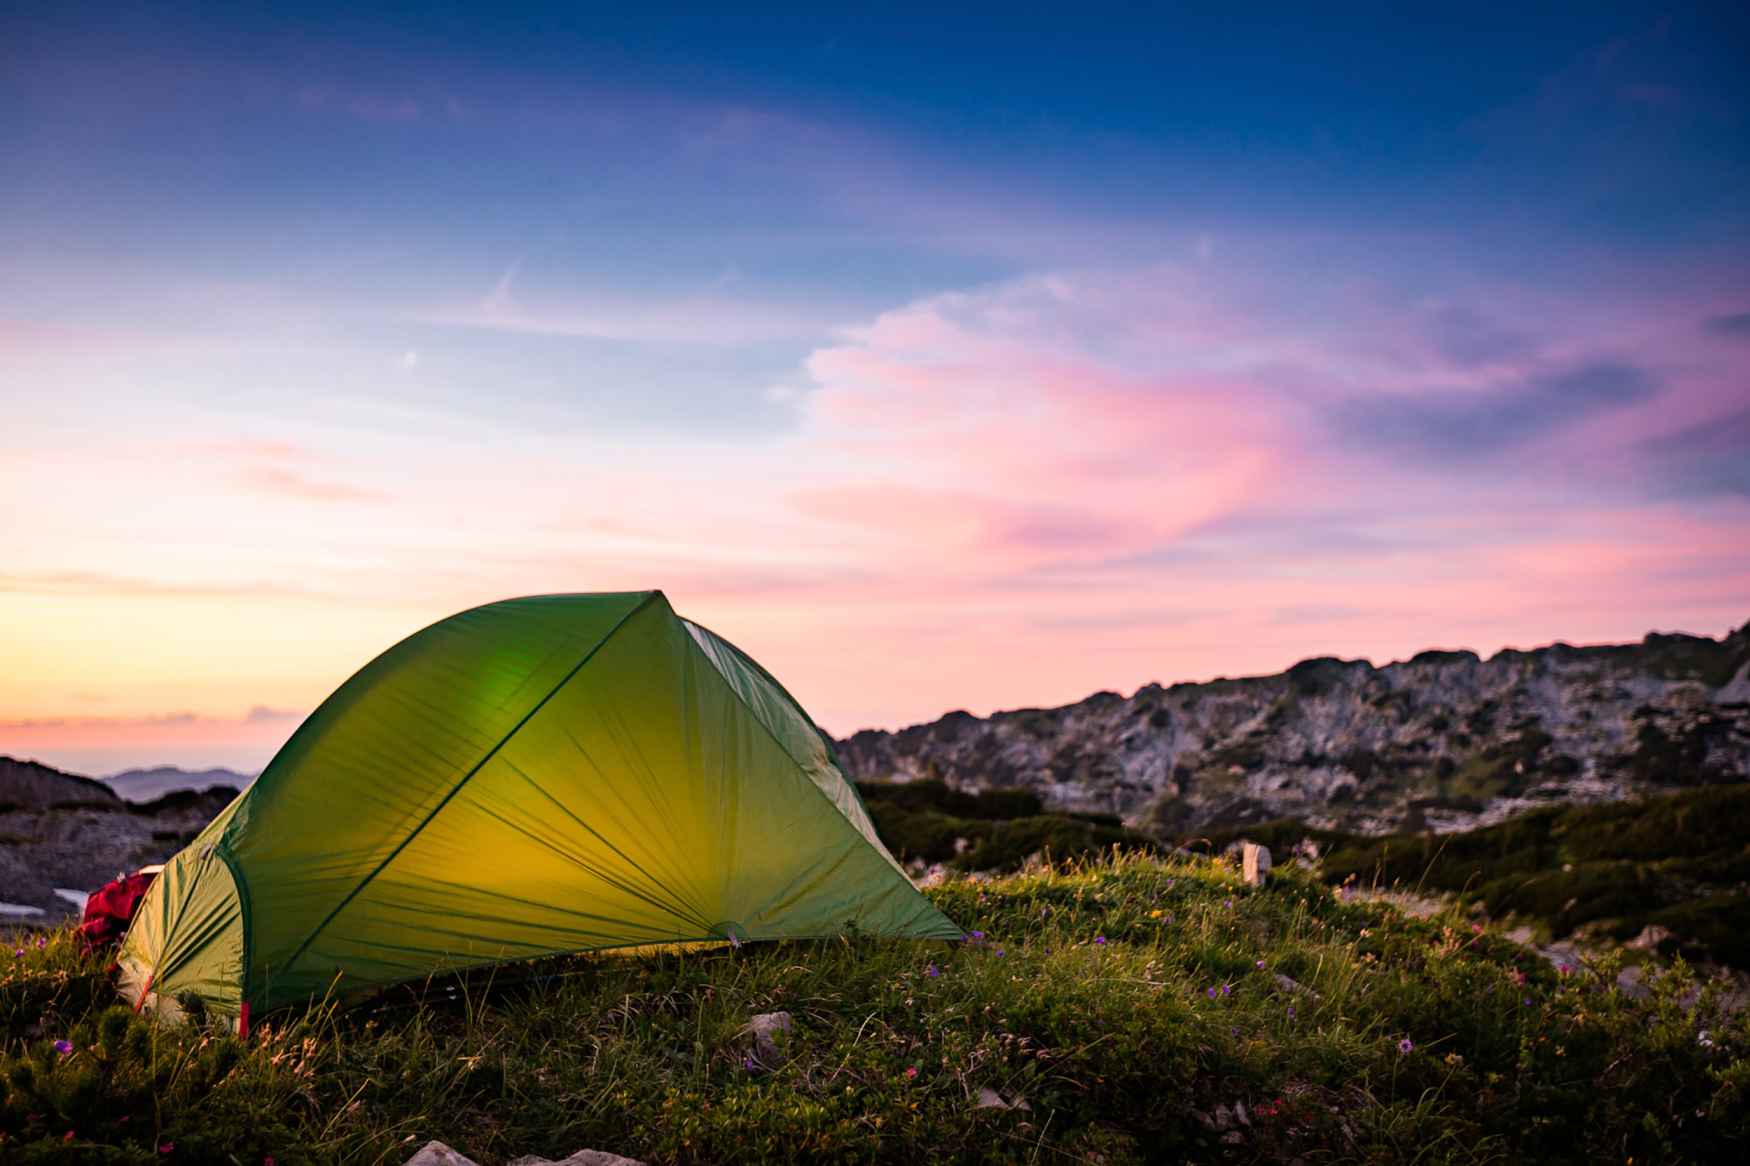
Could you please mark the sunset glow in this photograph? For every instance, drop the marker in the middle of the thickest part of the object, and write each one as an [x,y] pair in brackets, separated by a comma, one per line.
[308,342]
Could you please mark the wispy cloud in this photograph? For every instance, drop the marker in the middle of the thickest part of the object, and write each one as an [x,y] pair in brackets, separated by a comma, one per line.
[705,316]
[288,483]
[1460,424]
[1733,324]
[1701,460]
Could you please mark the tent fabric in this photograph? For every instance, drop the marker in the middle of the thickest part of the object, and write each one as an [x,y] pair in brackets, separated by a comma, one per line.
[537,776]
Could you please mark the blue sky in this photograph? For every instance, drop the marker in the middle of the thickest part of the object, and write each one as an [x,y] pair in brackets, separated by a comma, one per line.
[1153,341]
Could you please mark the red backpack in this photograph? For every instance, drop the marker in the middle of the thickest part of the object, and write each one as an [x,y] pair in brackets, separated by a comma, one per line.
[110,908]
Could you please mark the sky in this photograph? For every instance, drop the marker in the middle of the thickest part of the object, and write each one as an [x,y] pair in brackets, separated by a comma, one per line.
[973,358]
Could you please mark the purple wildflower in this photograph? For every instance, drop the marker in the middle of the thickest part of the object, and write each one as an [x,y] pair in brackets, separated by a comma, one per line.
[1528,1002]
[1100,940]
[932,971]
[1405,1046]
[1230,904]
[1226,989]
[18,953]
[1210,993]
[978,935]
[1291,1012]
[63,1047]
[42,941]
[1259,965]
[747,1063]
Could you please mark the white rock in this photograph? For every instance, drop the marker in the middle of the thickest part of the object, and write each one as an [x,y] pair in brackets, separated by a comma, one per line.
[989,1098]
[763,1031]
[1254,862]
[435,1153]
[581,1158]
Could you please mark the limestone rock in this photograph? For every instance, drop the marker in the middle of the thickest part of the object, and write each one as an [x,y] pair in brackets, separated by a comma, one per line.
[764,1035]
[1651,936]
[435,1153]
[1254,863]
[1349,746]
[580,1158]
[989,1098]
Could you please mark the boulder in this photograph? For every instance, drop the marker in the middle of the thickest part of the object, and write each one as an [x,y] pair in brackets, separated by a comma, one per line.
[762,1035]
[581,1158]
[1254,862]
[1651,936]
[435,1153]
[989,1098]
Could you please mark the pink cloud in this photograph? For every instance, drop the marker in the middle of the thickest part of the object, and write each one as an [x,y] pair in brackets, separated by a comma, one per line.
[291,484]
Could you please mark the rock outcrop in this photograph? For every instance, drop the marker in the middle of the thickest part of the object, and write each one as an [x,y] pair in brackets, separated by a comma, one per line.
[61,834]
[1442,741]
[31,785]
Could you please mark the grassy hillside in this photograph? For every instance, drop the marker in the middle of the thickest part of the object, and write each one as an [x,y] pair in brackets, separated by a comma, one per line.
[1142,1009]
[1680,863]
[997,829]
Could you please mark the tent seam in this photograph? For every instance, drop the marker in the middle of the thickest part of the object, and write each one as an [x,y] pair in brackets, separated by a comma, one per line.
[241,887]
[648,599]
[892,864]
[832,754]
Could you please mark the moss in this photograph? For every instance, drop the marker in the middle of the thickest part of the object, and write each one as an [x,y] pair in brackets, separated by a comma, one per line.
[987,830]
[1681,860]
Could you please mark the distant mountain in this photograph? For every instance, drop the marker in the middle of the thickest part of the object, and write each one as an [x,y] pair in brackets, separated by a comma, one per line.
[1445,740]
[145,785]
[32,785]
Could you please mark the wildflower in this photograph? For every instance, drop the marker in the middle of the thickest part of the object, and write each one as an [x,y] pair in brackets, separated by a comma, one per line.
[911,1072]
[63,1047]
[1226,989]
[1169,916]
[747,1063]
[18,953]
[1230,904]
[1259,965]
[1291,1012]
[1210,993]
[1100,940]
[268,1161]
[167,1147]
[42,941]
[932,971]
[1528,1002]
[1405,1046]
[1155,914]
[1001,952]
[978,935]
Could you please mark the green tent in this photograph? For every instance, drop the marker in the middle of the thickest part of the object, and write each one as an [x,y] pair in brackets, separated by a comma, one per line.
[552,774]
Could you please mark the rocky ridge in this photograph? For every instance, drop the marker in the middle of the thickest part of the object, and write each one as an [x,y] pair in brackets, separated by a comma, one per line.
[61,834]
[1443,741]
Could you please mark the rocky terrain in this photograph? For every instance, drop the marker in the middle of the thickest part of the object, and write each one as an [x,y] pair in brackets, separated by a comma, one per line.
[61,834]
[1444,741]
